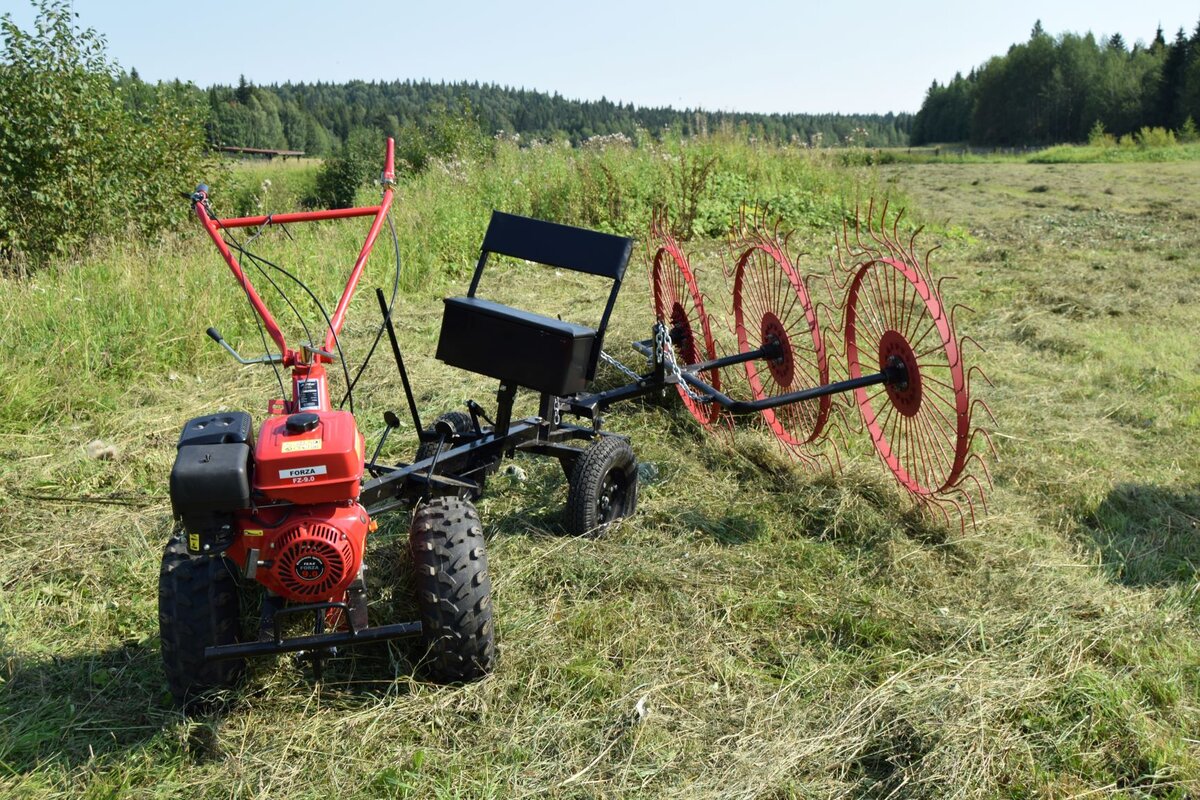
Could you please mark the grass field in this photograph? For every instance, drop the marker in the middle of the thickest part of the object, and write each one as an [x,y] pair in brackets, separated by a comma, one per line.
[755,631]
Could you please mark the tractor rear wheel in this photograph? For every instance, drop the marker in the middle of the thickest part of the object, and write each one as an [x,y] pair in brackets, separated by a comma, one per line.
[454,590]
[602,487]
[198,607]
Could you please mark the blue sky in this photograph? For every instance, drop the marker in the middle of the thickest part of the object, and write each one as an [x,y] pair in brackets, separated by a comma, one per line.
[747,55]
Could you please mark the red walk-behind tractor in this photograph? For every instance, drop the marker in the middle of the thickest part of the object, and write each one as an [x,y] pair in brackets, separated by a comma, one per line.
[288,508]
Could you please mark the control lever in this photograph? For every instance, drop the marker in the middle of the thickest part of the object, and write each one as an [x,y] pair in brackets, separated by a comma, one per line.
[270,358]
[392,422]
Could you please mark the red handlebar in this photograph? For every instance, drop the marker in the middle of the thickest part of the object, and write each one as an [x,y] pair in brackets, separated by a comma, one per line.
[214,226]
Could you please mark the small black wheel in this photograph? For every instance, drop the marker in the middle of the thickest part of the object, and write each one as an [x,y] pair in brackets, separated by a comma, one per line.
[460,422]
[198,607]
[454,591]
[602,488]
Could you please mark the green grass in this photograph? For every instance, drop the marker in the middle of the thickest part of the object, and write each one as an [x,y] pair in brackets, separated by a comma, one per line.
[784,633]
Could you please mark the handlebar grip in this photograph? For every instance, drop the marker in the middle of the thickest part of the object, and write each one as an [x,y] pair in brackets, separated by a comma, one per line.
[215,335]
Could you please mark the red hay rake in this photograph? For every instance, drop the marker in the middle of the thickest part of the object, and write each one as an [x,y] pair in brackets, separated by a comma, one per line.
[895,356]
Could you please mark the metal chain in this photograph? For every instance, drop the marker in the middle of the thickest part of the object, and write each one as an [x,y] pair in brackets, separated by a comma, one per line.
[626,371]
[663,342]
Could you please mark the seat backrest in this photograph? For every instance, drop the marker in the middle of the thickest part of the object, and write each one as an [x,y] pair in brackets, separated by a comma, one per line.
[561,246]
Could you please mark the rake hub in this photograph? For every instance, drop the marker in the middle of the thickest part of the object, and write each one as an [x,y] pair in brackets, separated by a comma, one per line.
[681,335]
[775,337]
[896,356]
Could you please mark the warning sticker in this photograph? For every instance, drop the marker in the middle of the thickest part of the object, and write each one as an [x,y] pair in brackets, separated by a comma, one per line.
[251,533]
[303,472]
[308,395]
[300,446]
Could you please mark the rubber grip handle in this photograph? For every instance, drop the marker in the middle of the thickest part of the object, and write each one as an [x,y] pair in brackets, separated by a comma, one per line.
[215,335]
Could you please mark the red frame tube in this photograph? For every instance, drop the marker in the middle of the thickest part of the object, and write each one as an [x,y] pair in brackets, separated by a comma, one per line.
[299,216]
[213,226]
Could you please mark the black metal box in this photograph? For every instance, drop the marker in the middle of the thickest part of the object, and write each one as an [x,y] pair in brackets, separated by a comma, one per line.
[529,350]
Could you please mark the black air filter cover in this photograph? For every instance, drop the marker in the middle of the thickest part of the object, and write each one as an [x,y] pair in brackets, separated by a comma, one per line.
[232,427]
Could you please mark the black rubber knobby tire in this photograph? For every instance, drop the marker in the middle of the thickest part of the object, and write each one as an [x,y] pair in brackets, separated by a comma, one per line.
[602,487]
[198,606]
[461,422]
[454,590]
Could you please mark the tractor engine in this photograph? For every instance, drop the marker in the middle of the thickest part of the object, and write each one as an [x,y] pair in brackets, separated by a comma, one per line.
[283,508]
[311,555]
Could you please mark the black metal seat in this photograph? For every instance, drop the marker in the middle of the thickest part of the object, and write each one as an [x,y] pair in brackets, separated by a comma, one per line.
[519,347]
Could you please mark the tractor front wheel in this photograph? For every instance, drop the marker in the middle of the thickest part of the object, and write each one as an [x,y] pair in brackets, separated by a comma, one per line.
[198,607]
[602,487]
[454,591]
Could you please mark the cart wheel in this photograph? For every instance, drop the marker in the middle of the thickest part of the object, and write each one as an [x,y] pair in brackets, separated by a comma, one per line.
[679,306]
[454,592]
[771,306]
[461,422]
[920,427]
[197,607]
[602,488]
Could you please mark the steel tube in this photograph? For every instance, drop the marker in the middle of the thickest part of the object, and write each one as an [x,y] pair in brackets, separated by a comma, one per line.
[298,216]
[314,642]
[766,353]
[747,407]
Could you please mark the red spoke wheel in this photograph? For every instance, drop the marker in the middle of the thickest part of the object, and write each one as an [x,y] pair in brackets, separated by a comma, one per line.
[920,425]
[772,309]
[678,305]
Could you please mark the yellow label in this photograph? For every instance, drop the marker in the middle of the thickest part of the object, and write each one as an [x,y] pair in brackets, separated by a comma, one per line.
[300,445]
[252,533]
[194,542]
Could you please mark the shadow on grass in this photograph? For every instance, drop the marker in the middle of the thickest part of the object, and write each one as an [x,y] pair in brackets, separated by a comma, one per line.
[1147,535]
[74,710]
[110,705]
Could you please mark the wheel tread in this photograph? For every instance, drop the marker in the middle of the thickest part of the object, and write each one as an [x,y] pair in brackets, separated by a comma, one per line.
[197,607]
[454,589]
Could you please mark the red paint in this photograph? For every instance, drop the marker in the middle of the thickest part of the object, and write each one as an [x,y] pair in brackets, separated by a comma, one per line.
[286,469]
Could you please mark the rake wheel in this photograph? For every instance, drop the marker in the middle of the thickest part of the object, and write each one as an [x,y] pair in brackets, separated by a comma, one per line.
[772,307]
[894,317]
[679,305]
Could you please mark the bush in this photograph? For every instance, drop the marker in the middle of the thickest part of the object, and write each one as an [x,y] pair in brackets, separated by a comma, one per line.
[354,164]
[1098,137]
[446,134]
[1154,137]
[75,162]
[1188,133]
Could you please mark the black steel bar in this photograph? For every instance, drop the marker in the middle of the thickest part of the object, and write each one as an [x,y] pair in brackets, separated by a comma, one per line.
[323,641]
[377,492]
[747,407]
[767,352]
[590,404]
[408,394]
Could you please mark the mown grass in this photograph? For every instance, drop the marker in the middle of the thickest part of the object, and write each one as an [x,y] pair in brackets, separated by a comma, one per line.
[755,631]
[1111,152]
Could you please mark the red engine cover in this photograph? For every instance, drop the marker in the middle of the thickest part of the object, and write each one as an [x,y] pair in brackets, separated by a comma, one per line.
[313,554]
[323,465]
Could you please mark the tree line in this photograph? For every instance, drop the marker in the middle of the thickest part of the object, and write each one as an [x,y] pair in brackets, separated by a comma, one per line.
[1051,90]
[318,117]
